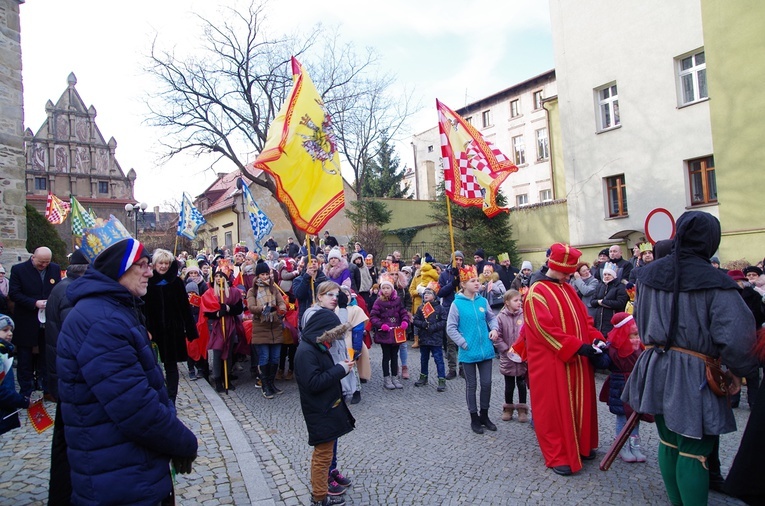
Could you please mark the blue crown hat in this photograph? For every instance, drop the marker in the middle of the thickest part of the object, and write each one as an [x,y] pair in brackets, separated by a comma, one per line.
[96,239]
[111,249]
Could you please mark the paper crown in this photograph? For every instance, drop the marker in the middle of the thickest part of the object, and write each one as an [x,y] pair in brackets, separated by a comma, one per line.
[97,239]
[224,266]
[467,273]
[645,246]
[192,265]
[502,257]
[386,279]
[610,266]
[433,285]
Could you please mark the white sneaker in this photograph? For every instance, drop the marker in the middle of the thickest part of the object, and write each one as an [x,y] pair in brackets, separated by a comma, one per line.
[388,383]
[397,383]
[635,449]
[626,455]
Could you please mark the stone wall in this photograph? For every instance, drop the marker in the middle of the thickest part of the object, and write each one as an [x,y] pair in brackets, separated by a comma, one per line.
[13,223]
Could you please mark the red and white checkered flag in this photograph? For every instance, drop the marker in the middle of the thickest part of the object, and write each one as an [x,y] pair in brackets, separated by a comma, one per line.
[56,210]
[473,168]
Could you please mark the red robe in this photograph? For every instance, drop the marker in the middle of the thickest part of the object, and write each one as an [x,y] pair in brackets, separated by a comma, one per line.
[563,400]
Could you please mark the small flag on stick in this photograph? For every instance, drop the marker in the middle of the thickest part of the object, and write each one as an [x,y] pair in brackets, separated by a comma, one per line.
[39,417]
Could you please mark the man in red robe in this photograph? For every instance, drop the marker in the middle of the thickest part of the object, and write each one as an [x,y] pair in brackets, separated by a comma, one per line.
[559,334]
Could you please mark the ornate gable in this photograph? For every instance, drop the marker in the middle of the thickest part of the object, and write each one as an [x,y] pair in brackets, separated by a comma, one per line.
[69,156]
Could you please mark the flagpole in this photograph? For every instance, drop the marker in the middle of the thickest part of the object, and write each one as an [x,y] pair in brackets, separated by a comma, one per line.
[223,328]
[308,249]
[175,248]
[451,229]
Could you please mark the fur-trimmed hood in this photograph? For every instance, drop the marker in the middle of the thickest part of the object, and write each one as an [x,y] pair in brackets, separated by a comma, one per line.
[323,326]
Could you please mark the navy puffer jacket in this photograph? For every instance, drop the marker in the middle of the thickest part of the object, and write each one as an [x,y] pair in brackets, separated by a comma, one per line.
[120,425]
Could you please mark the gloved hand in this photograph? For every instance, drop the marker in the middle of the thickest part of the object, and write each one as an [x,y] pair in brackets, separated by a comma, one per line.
[599,343]
[385,327]
[594,303]
[182,465]
[267,309]
[224,309]
[587,350]
[404,324]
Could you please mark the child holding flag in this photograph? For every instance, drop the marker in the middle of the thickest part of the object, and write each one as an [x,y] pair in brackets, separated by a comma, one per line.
[10,400]
[430,319]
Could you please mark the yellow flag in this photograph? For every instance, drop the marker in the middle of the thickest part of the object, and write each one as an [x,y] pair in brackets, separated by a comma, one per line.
[301,155]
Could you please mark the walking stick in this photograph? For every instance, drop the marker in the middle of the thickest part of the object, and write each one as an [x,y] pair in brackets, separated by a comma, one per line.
[620,440]
[223,328]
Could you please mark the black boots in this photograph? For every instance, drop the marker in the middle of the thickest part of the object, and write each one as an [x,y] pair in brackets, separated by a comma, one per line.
[484,419]
[475,423]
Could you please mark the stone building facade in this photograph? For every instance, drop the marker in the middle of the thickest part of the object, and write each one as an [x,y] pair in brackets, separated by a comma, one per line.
[13,223]
[69,156]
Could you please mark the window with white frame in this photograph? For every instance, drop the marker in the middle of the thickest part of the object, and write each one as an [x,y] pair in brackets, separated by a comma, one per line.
[537,100]
[692,77]
[543,145]
[545,195]
[522,199]
[616,196]
[229,238]
[486,118]
[702,181]
[214,242]
[515,108]
[519,150]
[608,107]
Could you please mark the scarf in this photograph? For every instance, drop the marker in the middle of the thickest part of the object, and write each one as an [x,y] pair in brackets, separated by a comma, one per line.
[265,297]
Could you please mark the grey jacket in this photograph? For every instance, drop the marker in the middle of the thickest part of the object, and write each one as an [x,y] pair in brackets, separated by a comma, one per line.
[585,288]
[713,322]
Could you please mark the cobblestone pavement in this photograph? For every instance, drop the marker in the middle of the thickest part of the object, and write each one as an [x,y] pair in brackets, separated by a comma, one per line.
[410,446]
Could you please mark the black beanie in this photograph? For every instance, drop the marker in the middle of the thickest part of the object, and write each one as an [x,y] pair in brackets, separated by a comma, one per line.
[115,260]
[262,268]
[480,253]
[78,258]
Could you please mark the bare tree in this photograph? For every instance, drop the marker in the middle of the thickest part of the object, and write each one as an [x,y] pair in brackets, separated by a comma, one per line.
[222,100]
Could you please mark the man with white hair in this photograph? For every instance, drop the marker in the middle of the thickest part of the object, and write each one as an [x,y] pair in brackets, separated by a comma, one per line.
[30,285]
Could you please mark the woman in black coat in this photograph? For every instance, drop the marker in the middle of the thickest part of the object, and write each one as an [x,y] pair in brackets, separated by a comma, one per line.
[327,416]
[610,297]
[168,316]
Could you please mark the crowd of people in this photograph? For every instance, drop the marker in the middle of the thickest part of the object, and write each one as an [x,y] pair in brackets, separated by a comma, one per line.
[311,313]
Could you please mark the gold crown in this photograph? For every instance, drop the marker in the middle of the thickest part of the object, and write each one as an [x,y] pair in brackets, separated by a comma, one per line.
[467,273]
[645,246]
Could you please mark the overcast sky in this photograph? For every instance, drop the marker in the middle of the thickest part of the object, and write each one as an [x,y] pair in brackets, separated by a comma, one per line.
[455,51]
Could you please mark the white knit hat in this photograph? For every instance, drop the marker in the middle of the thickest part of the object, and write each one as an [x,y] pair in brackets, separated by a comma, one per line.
[334,253]
[526,265]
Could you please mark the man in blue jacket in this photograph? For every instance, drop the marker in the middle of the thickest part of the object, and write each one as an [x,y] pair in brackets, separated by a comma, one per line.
[120,425]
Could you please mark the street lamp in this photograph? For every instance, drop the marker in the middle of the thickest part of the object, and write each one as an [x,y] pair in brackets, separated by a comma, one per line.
[137,210]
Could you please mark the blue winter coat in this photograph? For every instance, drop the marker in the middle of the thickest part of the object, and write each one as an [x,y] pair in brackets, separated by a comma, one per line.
[10,401]
[120,425]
